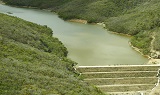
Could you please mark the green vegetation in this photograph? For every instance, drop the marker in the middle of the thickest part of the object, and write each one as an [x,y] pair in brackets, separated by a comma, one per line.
[139,18]
[142,40]
[96,10]
[39,3]
[157,40]
[141,22]
[91,10]
[32,62]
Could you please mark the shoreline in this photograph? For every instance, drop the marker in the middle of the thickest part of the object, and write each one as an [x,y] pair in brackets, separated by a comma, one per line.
[151,60]
[86,22]
[121,34]
[78,21]
[2,2]
[138,50]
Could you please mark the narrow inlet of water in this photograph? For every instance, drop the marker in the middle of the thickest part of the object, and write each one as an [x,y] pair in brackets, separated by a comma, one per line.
[88,45]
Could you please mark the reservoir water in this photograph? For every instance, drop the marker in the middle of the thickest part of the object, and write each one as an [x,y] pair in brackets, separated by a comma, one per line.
[87,44]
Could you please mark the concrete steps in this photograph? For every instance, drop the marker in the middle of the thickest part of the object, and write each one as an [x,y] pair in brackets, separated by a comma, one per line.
[125,88]
[118,74]
[118,68]
[118,81]
[130,93]
[121,80]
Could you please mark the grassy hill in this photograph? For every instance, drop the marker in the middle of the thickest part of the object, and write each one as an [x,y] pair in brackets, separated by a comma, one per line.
[139,18]
[32,62]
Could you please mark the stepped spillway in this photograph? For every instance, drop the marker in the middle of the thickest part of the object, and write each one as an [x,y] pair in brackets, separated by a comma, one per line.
[121,79]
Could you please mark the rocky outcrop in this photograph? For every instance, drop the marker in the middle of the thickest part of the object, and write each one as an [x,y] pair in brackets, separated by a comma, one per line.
[155,55]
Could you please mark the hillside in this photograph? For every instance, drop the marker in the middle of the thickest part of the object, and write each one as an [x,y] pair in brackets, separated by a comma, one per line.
[32,62]
[139,18]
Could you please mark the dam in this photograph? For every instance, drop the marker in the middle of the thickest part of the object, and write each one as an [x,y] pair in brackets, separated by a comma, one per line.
[121,79]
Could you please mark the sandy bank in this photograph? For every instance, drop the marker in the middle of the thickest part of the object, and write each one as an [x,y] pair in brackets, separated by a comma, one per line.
[122,34]
[154,61]
[78,21]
